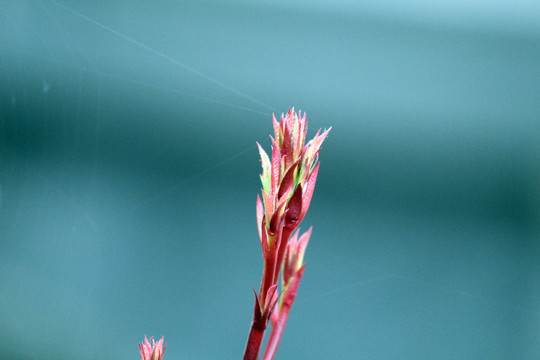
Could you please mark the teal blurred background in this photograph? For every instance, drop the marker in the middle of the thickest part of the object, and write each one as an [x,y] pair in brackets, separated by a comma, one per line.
[129,172]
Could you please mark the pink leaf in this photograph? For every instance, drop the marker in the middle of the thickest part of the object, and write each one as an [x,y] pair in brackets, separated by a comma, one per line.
[290,294]
[276,158]
[276,127]
[268,205]
[310,187]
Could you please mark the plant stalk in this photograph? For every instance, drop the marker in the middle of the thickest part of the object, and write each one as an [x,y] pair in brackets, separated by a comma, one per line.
[275,335]
[254,341]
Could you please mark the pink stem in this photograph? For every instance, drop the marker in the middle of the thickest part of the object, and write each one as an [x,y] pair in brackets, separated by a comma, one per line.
[275,335]
[278,326]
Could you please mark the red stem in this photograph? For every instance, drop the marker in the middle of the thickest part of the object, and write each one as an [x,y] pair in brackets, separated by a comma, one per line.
[286,233]
[258,325]
[254,341]
[268,276]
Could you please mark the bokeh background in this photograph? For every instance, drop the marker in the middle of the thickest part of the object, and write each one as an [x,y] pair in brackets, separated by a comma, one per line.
[129,172]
